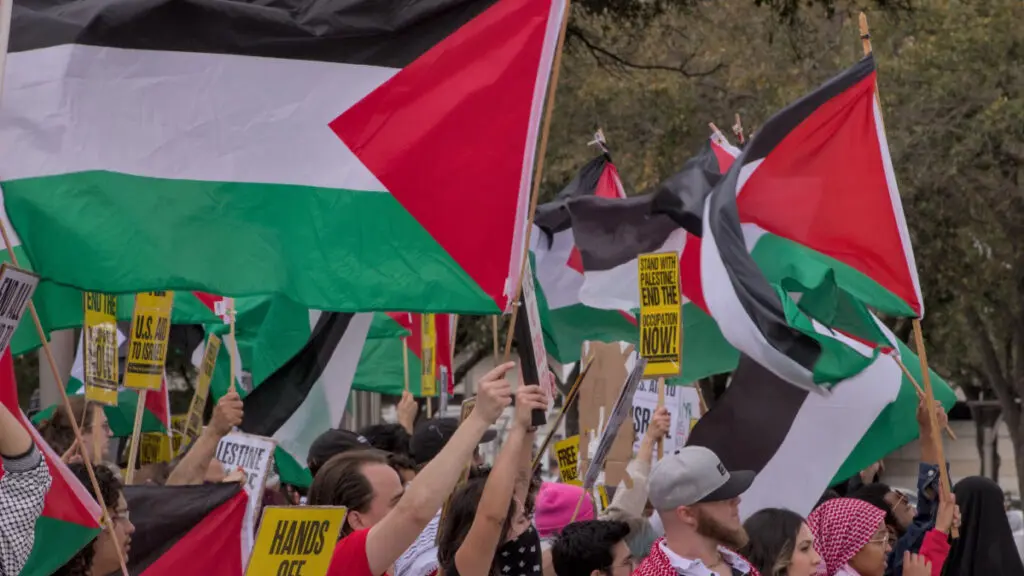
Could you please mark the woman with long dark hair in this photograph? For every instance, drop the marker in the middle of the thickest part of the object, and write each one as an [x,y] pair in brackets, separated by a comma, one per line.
[486,531]
[780,544]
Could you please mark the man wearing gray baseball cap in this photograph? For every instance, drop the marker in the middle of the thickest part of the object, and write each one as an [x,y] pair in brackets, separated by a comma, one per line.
[697,500]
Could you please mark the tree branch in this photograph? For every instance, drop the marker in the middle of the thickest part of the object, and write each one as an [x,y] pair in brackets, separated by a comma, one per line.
[1003,389]
[463,368]
[599,53]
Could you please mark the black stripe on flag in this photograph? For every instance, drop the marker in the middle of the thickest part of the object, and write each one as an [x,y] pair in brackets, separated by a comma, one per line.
[610,232]
[741,288]
[274,401]
[553,217]
[388,33]
[751,420]
[163,515]
[682,195]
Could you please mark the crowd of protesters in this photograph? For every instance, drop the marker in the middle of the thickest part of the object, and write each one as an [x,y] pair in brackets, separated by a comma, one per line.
[421,503]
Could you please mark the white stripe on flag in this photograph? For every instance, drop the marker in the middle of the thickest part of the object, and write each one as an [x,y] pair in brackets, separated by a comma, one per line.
[824,433]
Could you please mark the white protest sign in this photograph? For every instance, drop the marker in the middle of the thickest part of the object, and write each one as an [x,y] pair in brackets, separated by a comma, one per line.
[16,289]
[254,455]
[683,407]
[540,355]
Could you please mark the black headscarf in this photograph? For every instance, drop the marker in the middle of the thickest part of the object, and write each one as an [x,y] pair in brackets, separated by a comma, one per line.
[985,546]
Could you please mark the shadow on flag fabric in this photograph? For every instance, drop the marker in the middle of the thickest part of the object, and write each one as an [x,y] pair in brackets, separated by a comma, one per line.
[70,518]
[354,178]
[765,424]
[186,529]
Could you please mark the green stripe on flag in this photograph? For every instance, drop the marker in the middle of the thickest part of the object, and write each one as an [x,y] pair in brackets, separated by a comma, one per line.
[261,261]
[56,542]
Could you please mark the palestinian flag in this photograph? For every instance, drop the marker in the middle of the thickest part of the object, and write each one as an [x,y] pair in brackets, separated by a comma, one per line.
[308,394]
[343,143]
[815,171]
[381,365]
[187,529]
[70,518]
[586,245]
[765,424]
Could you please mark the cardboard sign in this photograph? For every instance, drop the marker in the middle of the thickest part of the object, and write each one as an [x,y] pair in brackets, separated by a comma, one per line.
[296,541]
[540,356]
[147,345]
[254,455]
[682,404]
[428,351]
[198,406]
[600,391]
[660,314]
[568,453]
[101,347]
[622,408]
[16,289]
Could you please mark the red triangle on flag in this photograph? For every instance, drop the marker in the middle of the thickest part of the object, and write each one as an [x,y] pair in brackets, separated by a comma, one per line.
[450,136]
[67,499]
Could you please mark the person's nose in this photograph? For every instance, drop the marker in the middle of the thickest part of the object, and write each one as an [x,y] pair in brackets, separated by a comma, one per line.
[129,528]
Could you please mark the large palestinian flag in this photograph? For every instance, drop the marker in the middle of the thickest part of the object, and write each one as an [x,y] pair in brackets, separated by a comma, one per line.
[187,529]
[307,395]
[70,518]
[765,424]
[586,287]
[818,174]
[333,151]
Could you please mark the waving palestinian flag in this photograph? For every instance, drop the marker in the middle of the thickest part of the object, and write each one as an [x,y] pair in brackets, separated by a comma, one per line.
[351,155]
[71,515]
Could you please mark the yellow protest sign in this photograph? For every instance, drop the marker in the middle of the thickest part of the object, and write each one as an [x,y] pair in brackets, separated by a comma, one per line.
[660,314]
[428,351]
[602,494]
[195,411]
[155,447]
[147,344]
[568,453]
[101,347]
[295,541]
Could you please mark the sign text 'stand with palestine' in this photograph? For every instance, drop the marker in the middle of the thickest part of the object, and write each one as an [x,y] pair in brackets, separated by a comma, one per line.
[660,314]
[16,289]
[147,344]
[295,541]
[100,336]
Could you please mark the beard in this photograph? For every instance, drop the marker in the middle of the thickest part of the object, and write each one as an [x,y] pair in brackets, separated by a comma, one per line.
[711,528]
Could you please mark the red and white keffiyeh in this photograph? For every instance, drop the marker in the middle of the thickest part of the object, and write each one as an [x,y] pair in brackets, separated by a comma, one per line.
[841,527]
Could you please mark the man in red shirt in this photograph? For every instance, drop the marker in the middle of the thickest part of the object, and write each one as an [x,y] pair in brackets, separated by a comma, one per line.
[383,520]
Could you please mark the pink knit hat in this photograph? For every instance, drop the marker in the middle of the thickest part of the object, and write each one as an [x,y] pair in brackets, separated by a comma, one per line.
[555,505]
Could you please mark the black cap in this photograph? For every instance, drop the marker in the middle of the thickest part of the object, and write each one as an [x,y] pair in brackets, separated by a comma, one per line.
[330,444]
[430,437]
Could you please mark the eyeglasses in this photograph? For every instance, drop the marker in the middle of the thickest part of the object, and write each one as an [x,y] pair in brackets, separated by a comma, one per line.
[883,540]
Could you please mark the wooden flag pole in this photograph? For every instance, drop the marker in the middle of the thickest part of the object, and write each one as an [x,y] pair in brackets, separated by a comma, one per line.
[570,398]
[494,337]
[133,450]
[86,457]
[405,361]
[661,404]
[233,348]
[6,10]
[537,173]
[930,404]
[920,391]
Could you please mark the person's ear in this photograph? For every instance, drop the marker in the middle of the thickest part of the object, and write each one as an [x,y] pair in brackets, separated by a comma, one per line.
[686,514]
[355,520]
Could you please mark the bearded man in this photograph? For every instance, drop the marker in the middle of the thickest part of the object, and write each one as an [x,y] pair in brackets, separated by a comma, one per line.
[698,501]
